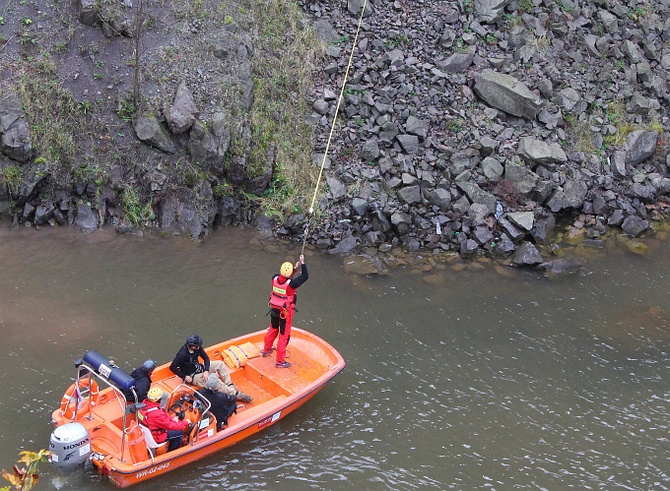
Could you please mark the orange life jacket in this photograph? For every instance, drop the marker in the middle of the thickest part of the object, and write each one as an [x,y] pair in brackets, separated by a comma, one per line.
[282,295]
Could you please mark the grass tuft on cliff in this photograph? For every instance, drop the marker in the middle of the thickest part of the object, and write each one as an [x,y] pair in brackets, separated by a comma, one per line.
[286,56]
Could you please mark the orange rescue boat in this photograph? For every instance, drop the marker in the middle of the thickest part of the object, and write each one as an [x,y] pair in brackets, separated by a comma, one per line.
[96,423]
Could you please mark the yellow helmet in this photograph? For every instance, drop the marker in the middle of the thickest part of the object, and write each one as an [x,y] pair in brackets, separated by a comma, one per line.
[155,394]
[286,269]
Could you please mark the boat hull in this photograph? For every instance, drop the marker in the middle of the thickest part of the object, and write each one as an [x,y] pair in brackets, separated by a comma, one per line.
[276,393]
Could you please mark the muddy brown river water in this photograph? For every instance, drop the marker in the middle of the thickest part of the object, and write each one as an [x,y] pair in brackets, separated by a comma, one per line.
[464,380]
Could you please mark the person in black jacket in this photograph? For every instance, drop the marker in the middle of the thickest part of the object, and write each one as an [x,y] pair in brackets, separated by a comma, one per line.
[223,405]
[187,365]
[142,376]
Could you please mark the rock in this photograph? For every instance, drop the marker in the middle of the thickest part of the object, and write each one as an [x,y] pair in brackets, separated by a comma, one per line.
[640,145]
[489,10]
[89,13]
[561,266]
[85,218]
[568,98]
[325,31]
[150,130]
[634,225]
[468,248]
[345,246]
[491,168]
[636,247]
[410,195]
[537,152]
[210,148]
[512,231]
[15,142]
[380,222]
[359,206]
[571,195]
[616,219]
[409,143]
[503,247]
[338,190]
[355,7]
[543,229]
[370,151]
[259,183]
[363,265]
[458,62]
[441,198]
[522,219]
[522,179]
[417,127]
[320,106]
[507,94]
[14,132]
[477,195]
[402,222]
[181,115]
[483,235]
[527,255]
[10,111]
[238,154]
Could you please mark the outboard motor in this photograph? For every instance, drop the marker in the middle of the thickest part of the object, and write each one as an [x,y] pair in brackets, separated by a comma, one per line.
[70,446]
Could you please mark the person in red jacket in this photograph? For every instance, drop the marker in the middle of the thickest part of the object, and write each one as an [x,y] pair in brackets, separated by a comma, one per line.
[282,306]
[162,426]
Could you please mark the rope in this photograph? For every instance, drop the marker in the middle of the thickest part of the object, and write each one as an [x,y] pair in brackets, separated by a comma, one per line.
[332,126]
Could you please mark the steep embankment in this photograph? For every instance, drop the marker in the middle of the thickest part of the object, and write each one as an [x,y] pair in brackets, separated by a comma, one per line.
[479,125]
[472,126]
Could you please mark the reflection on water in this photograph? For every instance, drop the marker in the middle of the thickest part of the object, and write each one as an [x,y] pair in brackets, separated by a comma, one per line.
[457,378]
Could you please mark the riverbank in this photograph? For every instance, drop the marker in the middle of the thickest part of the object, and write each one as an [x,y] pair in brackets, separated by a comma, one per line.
[477,128]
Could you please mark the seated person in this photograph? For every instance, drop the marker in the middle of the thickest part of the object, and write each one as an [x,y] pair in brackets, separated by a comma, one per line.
[142,376]
[222,405]
[186,364]
[162,425]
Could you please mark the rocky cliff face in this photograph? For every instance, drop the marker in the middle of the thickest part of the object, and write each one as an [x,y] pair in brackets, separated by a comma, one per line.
[474,126]
[479,125]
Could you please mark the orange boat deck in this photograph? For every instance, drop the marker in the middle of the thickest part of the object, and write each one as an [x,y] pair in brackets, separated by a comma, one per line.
[275,391]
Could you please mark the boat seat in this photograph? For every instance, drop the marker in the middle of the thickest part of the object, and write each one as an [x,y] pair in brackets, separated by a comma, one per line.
[153,447]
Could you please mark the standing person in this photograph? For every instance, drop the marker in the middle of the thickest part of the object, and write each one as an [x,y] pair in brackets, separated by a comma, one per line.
[162,426]
[186,364]
[222,405]
[142,376]
[282,305]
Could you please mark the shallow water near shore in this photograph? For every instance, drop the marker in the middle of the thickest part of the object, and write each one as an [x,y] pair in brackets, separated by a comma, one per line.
[455,379]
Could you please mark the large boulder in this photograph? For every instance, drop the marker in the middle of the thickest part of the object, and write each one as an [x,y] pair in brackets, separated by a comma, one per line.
[151,131]
[183,112]
[527,255]
[507,94]
[14,132]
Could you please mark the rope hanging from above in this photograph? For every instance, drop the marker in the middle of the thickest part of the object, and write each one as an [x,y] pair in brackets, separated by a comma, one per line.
[332,126]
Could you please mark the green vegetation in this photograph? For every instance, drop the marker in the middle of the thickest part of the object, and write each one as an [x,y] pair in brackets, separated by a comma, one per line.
[54,117]
[91,172]
[581,132]
[77,142]
[12,177]
[136,213]
[614,114]
[641,11]
[25,478]
[468,6]
[455,125]
[286,56]
[526,6]
[397,40]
